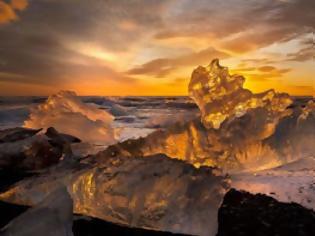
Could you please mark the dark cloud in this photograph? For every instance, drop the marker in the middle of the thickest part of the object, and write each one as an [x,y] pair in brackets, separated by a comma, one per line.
[263,72]
[36,39]
[35,46]
[252,40]
[162,66]
[242,25]
[44,60]
[305,53]
[94,21]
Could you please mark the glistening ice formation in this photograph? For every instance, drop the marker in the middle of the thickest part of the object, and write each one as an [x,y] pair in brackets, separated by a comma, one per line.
[154,192]
[221,97]
[238,130]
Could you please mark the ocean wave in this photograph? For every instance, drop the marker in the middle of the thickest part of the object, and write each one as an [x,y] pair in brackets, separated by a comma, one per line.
[68,114]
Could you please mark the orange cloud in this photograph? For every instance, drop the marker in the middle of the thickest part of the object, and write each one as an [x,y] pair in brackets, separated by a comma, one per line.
[163,66]
[19,4]
[8,11]
[266,68]
[261,73]
[128,25]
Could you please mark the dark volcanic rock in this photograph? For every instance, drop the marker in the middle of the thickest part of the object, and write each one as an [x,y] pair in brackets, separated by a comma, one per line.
[61,141]
[10,177]
[9,211]
[61,138]
[29,154]
[23,153]
[15,134]
[243,213]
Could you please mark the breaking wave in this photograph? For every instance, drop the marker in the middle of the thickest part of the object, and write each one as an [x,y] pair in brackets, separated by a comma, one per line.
[68,114]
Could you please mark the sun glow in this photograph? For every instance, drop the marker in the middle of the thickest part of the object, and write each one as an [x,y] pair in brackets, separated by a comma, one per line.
[93,51]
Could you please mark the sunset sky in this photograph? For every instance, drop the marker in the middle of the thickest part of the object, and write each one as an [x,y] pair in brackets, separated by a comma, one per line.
[150,47]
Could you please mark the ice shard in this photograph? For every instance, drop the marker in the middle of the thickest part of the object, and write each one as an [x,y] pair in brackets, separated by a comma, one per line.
[51,217]
[68,114]
[156,193]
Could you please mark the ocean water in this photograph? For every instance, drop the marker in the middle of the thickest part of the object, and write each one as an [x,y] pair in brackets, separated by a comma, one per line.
[136,116]
[143,113]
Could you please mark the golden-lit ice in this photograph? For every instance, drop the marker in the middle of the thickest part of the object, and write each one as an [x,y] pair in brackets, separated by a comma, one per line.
[238,130]
[154,192]
[221,96]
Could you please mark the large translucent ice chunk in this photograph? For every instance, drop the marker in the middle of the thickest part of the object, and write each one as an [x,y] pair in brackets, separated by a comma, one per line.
[221,96]
[68,114]
[51,217]
[154,192]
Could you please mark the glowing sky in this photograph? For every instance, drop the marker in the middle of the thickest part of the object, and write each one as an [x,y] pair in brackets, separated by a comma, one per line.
[150,47]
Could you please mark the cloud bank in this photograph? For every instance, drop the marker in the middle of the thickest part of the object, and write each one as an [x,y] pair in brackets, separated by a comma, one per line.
[128,44]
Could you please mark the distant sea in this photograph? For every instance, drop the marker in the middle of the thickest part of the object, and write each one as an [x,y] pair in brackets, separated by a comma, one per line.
[138,115]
